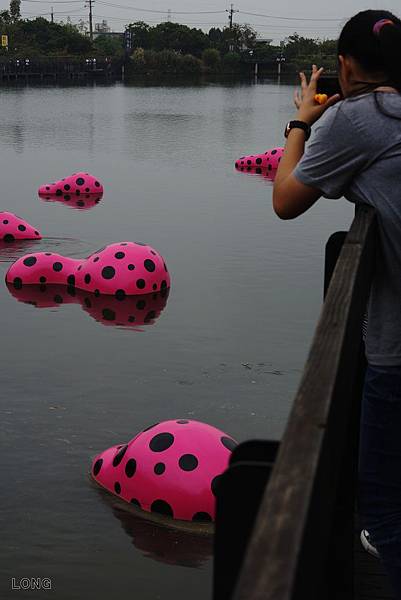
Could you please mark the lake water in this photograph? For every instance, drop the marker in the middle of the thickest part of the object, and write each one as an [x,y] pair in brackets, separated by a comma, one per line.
[228,348]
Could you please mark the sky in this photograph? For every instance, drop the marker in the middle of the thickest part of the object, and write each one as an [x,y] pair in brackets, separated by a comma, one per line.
[271,19]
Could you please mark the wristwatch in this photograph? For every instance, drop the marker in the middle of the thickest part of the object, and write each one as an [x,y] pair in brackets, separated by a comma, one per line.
[299,125]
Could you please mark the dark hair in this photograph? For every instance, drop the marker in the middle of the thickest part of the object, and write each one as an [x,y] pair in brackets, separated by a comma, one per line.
[375,52]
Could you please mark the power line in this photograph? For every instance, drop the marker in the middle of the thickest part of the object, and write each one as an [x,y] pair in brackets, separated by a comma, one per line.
[289,18]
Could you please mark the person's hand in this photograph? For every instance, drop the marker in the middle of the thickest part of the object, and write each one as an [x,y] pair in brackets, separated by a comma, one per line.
[309,110]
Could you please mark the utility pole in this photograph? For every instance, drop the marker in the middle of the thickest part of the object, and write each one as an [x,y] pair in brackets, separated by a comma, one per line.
[89,3]
[169,15]
[52,15]
[230,15]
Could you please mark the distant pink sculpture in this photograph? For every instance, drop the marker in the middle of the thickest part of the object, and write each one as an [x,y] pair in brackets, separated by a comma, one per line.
[171,468]
[268,160]
[75,185]
[133,312]
[122,269]
[14,228]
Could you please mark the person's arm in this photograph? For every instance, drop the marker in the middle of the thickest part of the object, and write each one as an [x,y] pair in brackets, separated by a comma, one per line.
[291,198]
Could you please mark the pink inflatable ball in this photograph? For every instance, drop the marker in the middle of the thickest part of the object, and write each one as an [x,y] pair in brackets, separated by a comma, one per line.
[122,269]
[170,468]
[14,228]
[76,184]
[82,202]
[270,158]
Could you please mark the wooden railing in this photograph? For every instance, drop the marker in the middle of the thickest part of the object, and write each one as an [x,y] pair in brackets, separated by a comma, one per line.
[285,512]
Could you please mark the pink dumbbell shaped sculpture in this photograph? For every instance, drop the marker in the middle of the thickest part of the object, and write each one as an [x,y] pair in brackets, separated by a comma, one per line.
[268,160]
[76,184]
[14,228]
[171,468]
[122,269]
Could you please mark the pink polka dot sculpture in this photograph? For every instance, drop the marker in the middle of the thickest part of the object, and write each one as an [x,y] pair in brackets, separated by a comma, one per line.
[133,312]
[76,184]
[268,160]
[170,468]
[269,174]
[14,228]
[122,269]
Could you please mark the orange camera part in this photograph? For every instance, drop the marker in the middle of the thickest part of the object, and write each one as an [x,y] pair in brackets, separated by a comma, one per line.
[321,98]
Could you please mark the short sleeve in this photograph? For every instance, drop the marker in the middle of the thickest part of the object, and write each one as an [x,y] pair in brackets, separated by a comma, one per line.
[334,155]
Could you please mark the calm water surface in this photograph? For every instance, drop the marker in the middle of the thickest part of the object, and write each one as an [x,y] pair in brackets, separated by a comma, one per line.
[228,348]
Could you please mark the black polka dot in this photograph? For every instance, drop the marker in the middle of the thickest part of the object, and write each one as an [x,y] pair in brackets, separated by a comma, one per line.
[119,255]
[87,278]
[36,232]
[58,299]
[135,502]
[97,466]
[88,303]
[108,272]
[117,488]
[258,170]
[249,162]
[131,267]
[108,314]
[97,293]
[182,422]
[165,267]
[71,291]
[80,203]
[140,283]
[161,442]
[67,187]
[202,517]
[163,284]
[150,427]
[228,443]
[30,261]
[149,265]
[59,192]
[154,286]
[120,294]
[77,192]
[5,222]
[80,181]
[48,253]
[258,161]
[153,252]
[96,259]
[124,244]
[188,462]
[119,456]
[8,237]
[131,319]
[97,184]
[67,197]
[47,187]
[141,304]
[159,468]
[130,467]
[17,283]
[214,484]
[162,507]
[22,227]
[42,279]
[87,189]
[57,266]
[71,279]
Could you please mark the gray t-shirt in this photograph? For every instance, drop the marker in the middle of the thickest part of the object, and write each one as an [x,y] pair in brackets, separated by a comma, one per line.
[355,152]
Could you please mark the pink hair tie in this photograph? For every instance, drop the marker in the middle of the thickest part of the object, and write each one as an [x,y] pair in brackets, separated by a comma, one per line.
[378,26]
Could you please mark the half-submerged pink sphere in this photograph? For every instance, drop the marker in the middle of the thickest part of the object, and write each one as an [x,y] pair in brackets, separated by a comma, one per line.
[14,228]
[121,269]
[76,184]
[170,469]
[268,160]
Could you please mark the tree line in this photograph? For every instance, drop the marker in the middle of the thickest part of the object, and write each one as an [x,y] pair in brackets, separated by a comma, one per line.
[168,47]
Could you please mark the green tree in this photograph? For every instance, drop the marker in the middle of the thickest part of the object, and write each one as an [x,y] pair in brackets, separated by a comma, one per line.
[140,35]
[109,46]
[211,58]
[174,36]
[15,10]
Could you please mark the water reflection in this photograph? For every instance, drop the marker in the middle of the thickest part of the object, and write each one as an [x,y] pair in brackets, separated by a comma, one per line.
[266,173]
[82,202]
[189,546]
[132,312]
